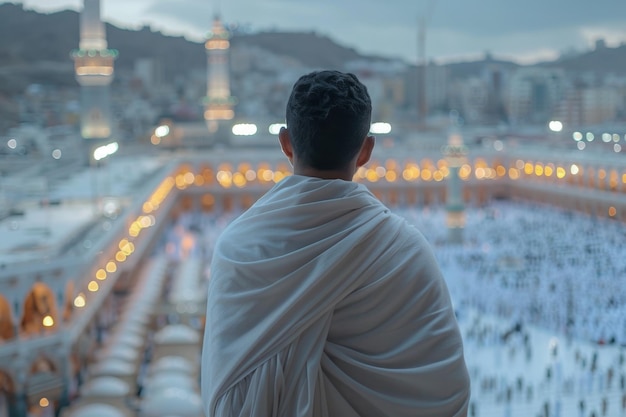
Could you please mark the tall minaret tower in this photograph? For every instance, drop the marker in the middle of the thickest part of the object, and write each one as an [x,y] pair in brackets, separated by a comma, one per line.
[94,72]
[455,153]
[218,101]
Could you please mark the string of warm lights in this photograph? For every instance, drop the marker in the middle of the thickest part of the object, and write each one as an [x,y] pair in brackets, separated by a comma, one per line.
[391,171]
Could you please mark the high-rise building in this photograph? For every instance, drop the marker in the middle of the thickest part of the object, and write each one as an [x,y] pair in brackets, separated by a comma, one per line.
[218,101]
[94,72]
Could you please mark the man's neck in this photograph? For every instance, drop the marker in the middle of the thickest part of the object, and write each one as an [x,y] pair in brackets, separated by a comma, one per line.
[345,175]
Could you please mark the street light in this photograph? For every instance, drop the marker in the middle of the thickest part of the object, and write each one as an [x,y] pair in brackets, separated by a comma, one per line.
[102,152]
[555,126]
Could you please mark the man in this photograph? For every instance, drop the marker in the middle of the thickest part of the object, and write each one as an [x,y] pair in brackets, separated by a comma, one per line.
[321,301]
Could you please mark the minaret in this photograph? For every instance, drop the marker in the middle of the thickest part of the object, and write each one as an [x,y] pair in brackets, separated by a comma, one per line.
[218,101]
[93,64]
[455,153]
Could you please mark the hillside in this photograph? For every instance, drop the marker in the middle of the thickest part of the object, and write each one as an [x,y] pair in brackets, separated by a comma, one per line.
[49,38]
[35,47]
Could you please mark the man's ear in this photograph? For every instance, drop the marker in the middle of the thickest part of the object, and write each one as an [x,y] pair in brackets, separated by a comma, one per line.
[285,143]
[366,151]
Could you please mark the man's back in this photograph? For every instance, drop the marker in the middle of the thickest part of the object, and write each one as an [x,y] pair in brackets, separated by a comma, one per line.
[324,303]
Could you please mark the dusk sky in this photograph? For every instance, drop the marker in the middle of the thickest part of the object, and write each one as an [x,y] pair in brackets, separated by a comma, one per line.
[524,31]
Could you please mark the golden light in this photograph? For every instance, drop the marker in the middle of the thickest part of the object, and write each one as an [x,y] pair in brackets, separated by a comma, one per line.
[250,175]
[145,222]
[501,171]
[79,301]
[538,170]
[122,243]
[134,229]
[120,256]
[180,182]
[560,172]
[480,163]
[48,321]
[278,175]
[43,402]
[427,175]
[148,207]
[199,180]
[391,164]
[612,211]
[93,286]
[438,175]
[111,267]
[189,178]
[391,176]
[528,168]
[602,174]
[267,175]
[239,179]
[371,175]
[480,173]
[465,171]
[412,172]
[101,274]
[128,248]
[513,173]
[224,176]
[548,170]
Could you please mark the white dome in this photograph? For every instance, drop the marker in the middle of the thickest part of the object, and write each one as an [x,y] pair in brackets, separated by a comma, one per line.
[118,351]
[105,386]
[172,364]
[172,402]
[177,333]
[114,367]
[97,410]
[129,339]
[156,384]
[131,327]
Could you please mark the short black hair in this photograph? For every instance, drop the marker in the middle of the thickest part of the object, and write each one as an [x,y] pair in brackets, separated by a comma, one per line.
[328,116]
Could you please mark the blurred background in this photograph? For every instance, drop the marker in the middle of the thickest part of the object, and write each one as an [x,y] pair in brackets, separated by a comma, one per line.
[131,134]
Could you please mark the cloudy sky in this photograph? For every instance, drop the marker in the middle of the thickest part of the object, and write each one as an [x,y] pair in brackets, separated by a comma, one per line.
[524,31]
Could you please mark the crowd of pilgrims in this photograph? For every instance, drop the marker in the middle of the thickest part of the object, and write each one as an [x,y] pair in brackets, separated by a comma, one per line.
[556,269]
[552,280]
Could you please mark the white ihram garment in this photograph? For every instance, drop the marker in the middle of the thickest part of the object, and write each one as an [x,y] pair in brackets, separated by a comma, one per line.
[323,303]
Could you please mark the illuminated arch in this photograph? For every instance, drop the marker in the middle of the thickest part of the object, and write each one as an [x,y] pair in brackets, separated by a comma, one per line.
[40,312]
[43,364]
[69,301]
[207,174]
[6,320]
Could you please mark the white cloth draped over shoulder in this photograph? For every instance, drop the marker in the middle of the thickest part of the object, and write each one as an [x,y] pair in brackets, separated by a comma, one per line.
[323,303]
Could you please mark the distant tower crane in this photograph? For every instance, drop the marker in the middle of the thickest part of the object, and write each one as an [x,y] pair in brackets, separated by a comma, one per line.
[422,103]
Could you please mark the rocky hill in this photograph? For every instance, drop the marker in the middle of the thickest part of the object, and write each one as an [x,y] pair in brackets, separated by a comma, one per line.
[35,47]
[31,41]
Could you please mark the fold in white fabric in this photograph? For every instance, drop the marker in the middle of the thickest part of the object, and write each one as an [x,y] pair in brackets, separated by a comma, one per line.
[324,303]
